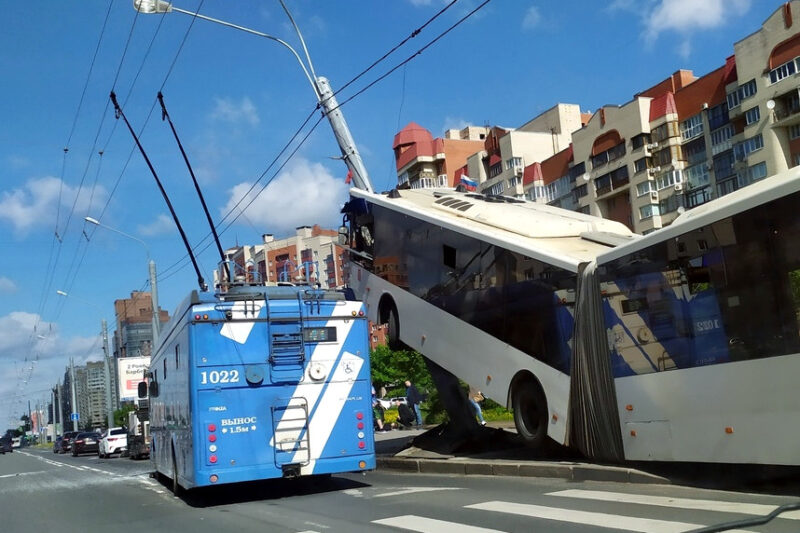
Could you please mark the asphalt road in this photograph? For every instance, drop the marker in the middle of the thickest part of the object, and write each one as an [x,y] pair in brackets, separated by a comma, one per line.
[40,491]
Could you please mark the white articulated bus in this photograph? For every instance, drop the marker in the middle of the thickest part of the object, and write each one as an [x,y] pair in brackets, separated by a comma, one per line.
[681,345]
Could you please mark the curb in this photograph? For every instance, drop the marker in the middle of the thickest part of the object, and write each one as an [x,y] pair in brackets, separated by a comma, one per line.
[569,471]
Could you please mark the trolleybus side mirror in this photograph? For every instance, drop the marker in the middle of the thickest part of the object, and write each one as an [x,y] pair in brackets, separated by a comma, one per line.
[142,389]
[344,235]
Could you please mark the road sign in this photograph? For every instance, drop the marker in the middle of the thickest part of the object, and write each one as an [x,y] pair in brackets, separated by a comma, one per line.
[75,416]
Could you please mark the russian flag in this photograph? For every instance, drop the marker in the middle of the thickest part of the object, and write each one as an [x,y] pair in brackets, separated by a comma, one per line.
[469,184]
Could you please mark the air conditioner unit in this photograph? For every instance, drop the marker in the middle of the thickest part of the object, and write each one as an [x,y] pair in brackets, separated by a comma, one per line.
[654,170]
[678,187]
[653,195]
[651,145]
[518,171]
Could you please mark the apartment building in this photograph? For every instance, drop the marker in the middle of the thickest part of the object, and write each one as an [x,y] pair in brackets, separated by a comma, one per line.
[425,162]
[312,255]
[500,167]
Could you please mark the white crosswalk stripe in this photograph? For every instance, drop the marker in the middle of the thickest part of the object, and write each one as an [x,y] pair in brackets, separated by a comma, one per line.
[611,521]
[678,503]
[412,522]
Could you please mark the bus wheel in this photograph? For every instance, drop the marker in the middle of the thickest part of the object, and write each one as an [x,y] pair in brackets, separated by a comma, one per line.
[530,413]
[177,490]
[389,316]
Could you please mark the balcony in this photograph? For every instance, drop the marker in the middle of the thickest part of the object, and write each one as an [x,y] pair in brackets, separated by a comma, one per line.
[727,186]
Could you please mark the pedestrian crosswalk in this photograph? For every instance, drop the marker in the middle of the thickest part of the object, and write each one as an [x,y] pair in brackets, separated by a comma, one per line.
[548,511]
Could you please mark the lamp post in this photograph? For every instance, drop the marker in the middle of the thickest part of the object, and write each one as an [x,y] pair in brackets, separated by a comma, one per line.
[320,85]
[106,369]
[151,265]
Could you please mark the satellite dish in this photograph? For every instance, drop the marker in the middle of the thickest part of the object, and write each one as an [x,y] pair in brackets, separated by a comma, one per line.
[681,210]
[770,104]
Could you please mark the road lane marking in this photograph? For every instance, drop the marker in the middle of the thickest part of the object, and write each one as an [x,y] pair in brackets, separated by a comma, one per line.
[80,468]
[611,521]
[412,490]
[679,503]
[23,474]
[412,522]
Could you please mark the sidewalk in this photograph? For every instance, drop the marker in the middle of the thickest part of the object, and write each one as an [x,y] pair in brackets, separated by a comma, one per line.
[411,451]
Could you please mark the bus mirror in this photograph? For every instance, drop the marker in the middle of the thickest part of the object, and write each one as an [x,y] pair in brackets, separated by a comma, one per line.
[142,389]
[343,235]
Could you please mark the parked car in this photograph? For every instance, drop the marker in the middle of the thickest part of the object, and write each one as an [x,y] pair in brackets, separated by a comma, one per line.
[86,443]
[114,440]
[386,403]
[5,445]
[57,444]
[66,441]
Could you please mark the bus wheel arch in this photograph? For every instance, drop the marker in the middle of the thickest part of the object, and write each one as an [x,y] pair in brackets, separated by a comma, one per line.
[529,404]
[387,314]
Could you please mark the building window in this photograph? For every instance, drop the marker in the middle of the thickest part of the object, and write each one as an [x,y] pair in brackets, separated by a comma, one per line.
[513,162]
[753,173]
[752,115]
[794,131]
[581,191]
[796,159]
[640,140]
[743,149]
[742,93]
[669,179]
[644,188]
[782,71]
[720,139]
[640,165]
[697,176]
[692,127]
[496,189]
[648,211]
[718,116]
[695,151]
[577,170]
[495,170]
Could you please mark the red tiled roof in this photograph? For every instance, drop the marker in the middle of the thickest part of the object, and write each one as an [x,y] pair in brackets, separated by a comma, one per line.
[709,89]
[730,70]
[532,173]
[662,105]
[556,166]
[411,134]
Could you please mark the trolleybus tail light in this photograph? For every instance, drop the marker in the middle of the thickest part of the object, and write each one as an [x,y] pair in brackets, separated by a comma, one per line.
[353,313]
[213,478]
[212,438]
[362,464]
[212,427]
[360,415]
[362,444]
[361,313]
[360,425]
[212,459]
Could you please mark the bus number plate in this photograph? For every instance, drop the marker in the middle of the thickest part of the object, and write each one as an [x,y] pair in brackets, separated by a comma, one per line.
[219,376]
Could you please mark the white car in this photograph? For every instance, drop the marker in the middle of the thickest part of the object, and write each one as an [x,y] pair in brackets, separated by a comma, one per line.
[16,442]
[386,403]
[114,440]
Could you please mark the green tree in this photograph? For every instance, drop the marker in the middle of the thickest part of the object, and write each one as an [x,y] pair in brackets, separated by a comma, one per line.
[121,414]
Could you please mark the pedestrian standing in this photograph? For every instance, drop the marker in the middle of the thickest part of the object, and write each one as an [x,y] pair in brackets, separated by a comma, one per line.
[413,397]
[475,396]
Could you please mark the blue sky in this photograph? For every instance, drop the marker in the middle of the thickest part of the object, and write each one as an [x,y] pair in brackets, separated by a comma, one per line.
[236,99]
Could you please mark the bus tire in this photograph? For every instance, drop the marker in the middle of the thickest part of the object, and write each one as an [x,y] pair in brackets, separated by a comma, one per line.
[391,318]
[177,490]
[530,412]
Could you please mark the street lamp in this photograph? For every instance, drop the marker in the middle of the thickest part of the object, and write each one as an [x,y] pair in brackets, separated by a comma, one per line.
[106,369]
[156,323]
[320,85]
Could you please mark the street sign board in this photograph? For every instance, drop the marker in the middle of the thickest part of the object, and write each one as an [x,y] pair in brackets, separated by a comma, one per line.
[75,416]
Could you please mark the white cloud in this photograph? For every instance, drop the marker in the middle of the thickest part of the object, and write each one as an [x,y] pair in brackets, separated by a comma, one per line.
[687,16]
[7,286]
[32,205]
[229,110]
[30,365]
[160,226]
[455,123]
[532,18]
[305,193]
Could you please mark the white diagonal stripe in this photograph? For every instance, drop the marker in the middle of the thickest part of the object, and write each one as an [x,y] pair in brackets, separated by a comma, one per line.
[412,522]
[611,521]
[679,503]
[412,490]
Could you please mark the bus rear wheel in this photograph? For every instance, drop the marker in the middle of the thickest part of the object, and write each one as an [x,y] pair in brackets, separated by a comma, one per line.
[530,413]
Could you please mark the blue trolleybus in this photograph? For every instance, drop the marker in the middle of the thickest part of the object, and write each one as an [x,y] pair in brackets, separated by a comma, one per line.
[261,382]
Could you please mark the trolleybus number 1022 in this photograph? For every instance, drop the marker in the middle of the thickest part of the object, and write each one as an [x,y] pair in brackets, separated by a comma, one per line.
[221,376]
